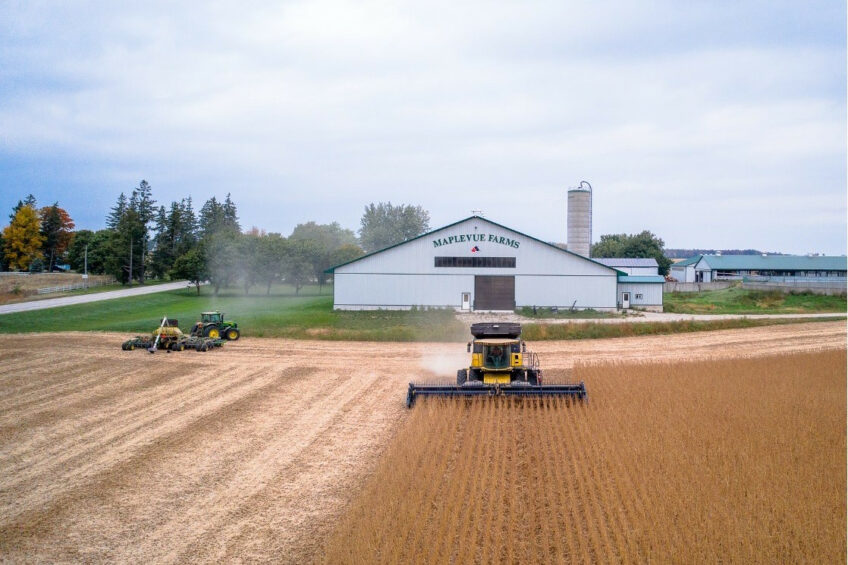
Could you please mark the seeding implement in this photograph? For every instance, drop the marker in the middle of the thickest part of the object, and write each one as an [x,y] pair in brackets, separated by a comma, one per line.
[500,365]
[169,337]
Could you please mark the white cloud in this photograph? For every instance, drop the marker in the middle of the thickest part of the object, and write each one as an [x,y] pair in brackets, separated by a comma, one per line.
[310,110]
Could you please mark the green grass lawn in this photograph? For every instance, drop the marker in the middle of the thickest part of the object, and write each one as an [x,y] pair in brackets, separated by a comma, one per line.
[309,315]
[547,313]
[280,314]
[736,300]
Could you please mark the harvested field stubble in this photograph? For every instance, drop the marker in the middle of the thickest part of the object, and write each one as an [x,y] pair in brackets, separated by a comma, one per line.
[739,460]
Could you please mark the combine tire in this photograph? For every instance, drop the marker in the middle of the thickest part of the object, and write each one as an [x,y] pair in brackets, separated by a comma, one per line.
[461,377]
[232,334]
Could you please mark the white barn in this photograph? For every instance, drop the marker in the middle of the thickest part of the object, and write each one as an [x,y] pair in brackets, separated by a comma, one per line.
[475,264]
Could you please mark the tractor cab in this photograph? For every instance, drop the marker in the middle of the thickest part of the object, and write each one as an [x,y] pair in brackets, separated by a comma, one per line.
[212,317]
[213,325]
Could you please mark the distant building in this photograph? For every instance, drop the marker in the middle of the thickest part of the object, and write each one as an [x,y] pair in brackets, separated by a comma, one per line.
[738,267]
[684,271]
[632,266]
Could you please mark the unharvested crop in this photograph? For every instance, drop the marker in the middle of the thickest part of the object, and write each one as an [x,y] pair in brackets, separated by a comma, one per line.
[739,460]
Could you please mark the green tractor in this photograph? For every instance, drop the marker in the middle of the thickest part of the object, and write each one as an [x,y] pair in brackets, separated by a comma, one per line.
[213,325]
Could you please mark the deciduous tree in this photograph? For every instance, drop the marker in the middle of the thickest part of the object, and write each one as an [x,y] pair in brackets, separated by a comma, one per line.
[383,224]
[192,267]
[22,239]
[641,245]
[57,229]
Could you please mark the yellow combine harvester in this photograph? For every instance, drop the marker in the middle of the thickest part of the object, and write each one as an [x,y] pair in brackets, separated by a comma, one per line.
[500,365]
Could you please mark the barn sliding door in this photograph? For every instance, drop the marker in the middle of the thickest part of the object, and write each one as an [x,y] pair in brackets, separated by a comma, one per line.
[494,293]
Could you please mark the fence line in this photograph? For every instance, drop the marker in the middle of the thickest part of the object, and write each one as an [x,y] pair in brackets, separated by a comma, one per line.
[75,286]
[695,287]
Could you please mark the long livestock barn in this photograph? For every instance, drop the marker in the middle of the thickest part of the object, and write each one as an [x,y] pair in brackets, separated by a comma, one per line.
[477,264]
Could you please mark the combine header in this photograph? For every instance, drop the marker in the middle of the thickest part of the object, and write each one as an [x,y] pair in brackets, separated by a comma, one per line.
[500,365]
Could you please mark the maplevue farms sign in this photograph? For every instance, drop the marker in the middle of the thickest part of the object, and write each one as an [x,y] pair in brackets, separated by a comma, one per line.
[477,237]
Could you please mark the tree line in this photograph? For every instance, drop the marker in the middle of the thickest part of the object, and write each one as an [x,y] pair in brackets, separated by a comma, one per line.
[143,240]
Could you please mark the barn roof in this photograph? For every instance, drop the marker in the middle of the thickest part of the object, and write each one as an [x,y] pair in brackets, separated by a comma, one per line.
[627,261]
[429,233]
[641,279]
[775,263]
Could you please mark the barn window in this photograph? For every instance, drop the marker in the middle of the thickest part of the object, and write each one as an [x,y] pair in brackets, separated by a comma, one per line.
[638,297]
[477,262]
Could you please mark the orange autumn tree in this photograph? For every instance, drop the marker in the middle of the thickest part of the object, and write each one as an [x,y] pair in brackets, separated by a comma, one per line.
[22,239]
[57,231]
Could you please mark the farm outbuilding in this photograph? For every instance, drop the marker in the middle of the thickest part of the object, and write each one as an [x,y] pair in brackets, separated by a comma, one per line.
[477,264]
[632,265]
[776,267]
[684,271]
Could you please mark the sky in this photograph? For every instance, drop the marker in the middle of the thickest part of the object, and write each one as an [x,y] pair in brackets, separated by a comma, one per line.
[712,124]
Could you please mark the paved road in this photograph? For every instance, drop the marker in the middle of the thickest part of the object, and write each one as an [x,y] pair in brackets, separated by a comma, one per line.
[94,297]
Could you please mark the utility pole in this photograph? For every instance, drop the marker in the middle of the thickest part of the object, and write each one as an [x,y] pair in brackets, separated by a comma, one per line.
[85,266]
[131,258]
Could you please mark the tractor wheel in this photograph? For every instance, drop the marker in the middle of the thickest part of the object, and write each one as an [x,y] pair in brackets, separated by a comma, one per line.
[461,377]
[232,334]
[213,333]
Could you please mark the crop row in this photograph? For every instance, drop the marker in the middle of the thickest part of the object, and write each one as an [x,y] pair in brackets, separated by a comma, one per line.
[728,460]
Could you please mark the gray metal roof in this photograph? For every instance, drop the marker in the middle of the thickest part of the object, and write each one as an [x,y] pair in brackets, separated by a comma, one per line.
[626,261]
[641,279]
[774,263]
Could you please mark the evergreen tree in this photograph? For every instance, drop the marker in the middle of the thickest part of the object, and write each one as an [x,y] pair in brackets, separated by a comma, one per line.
[117,212]
[142,203]
[28,201]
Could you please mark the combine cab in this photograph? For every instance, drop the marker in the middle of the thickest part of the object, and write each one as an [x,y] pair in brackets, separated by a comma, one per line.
[500,365]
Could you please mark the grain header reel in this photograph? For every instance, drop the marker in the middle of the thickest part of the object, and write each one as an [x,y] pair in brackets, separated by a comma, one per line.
[500,366]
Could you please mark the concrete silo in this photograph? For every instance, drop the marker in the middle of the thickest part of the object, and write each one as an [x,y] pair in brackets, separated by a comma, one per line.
[580,219]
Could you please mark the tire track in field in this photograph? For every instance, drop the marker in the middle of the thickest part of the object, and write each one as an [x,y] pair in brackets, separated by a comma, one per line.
[353,432]
[123,420]
[83,455]
[55,518]
[215,517]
